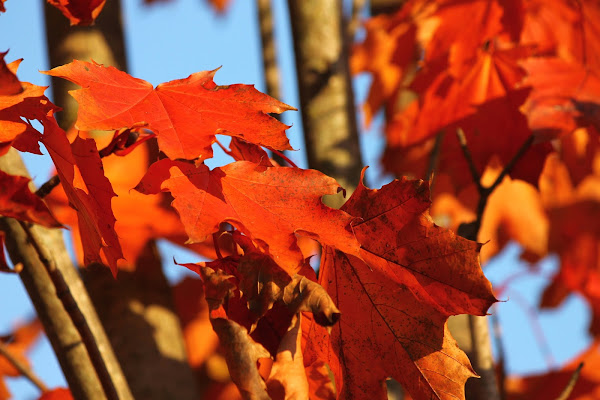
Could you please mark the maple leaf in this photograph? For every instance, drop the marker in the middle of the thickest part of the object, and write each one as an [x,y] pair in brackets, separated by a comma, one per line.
[573,234]
[79,12]
[395,299]
[557,87]
[564,28]
[288,378]
[185,114]
[89,193]
[57,394]
[242,354]
[2,8]
[17,201]
[386,53]
[133,227]
[20,100]
[269,205]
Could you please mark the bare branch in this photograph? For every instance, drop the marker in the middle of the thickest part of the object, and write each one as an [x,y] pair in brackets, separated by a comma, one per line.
[571,385]
[22,368]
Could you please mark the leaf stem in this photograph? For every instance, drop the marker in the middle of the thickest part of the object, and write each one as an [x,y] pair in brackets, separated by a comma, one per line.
[22,368]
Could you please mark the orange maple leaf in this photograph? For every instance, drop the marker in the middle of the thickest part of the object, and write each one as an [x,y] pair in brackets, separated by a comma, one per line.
[20,100]
[132,226]
[185,114]
[268,204]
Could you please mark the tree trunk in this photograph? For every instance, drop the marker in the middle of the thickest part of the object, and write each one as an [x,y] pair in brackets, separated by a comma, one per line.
[325,87]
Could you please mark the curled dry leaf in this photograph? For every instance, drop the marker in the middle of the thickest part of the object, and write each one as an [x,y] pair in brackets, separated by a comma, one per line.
[287,380]
[242,354]
[264,283]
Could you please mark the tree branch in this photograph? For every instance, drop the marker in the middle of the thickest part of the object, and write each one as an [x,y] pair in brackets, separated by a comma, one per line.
[32,249]
[22,368]
[481,357]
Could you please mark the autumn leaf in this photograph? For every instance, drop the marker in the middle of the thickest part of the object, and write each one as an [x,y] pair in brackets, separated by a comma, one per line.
[185,114]
[288,378]
[17,201]
[568,30]
[242,354]
[557,86]
[395,299]
[89,192]
[57,394]
[79,12]
[2,8]
[20,100]
[9,83]
[269,205]
[132,227]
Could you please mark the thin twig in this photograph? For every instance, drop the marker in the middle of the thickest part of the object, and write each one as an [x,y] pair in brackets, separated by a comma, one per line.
[434,159]
[497,332]
[487,388]
[53,182]
[462,140]
[71,307]
[22,368]
[571,385]
[48,186]
[354,23]
[471,230]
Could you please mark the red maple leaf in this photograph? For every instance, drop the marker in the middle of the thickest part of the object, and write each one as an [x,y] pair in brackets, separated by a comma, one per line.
[89,192]
[57,394]
[79,12]
[185,114]
[395,298]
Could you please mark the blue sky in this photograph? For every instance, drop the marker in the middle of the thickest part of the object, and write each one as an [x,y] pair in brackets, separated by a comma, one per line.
[171,40]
